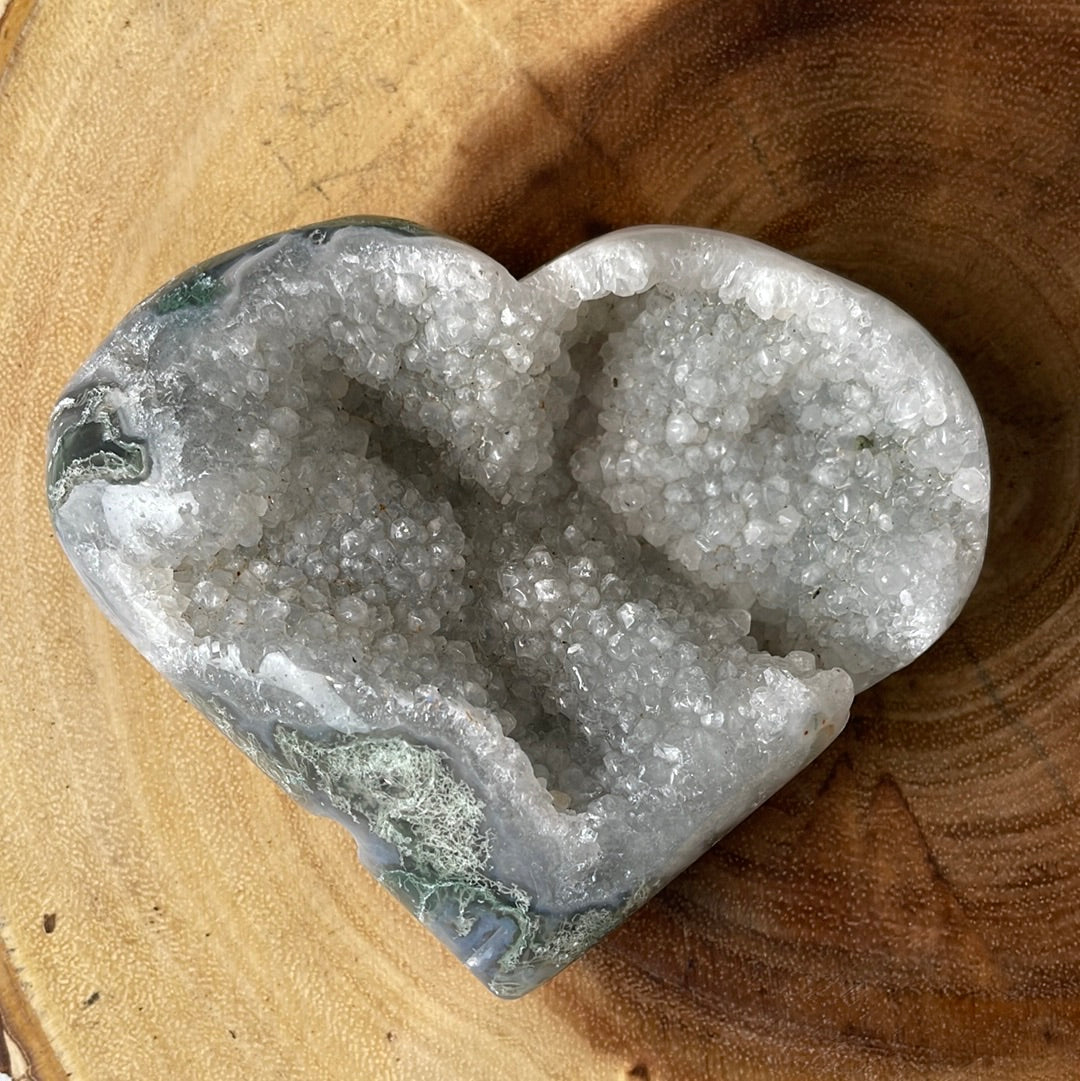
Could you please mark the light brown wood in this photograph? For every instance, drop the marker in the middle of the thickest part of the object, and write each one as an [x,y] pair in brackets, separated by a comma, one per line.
[906,908]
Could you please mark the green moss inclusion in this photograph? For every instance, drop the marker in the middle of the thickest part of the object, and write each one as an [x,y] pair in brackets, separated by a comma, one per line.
[409,797]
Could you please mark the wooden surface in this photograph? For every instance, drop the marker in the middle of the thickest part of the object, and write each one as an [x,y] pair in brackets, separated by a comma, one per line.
[908,908]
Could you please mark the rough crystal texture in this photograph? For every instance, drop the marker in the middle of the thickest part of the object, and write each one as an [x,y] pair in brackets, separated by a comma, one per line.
[537,586]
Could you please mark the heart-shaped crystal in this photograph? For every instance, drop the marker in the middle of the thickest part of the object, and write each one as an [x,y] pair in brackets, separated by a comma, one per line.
[537,586]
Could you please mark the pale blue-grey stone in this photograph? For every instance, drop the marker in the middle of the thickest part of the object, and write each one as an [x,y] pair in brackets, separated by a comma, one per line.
[538,587]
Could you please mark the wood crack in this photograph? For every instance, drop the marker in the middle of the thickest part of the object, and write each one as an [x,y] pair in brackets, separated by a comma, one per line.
[25,1051]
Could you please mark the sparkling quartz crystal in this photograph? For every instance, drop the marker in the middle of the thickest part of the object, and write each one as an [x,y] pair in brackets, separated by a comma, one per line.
[537,586]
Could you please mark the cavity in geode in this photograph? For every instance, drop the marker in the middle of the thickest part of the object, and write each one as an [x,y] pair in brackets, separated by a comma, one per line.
[537,586]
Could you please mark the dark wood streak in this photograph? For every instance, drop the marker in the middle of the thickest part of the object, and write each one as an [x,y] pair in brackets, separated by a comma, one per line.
[5,1052]
[13,18]
[21,1031]
[1011,717]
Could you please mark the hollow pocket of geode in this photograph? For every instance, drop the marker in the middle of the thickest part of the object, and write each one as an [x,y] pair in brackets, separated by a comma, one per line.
[537,586]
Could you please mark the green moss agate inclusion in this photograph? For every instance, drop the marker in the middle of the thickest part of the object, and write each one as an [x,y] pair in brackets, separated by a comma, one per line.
[538,586]
[407,796]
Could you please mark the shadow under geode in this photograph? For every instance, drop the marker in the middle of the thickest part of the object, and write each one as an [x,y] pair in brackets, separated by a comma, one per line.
[926,154]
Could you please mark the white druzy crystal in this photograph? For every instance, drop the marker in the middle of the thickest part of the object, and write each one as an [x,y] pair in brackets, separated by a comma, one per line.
[792,440]
[539,586]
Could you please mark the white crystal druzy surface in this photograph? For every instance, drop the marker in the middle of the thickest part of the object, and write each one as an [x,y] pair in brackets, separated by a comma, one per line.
[538,586]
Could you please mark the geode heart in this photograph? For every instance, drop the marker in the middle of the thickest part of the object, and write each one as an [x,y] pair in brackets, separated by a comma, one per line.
[537,586]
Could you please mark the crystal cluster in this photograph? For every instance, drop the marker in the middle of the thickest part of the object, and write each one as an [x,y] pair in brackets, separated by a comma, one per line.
[537,586]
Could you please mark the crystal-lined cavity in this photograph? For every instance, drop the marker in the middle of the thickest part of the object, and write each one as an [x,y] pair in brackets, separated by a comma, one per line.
[537,586]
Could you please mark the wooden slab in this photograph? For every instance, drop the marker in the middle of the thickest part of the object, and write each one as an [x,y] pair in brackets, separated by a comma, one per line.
[908,907]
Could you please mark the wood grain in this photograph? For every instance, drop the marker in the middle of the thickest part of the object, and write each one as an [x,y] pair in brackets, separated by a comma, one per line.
[907,907]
